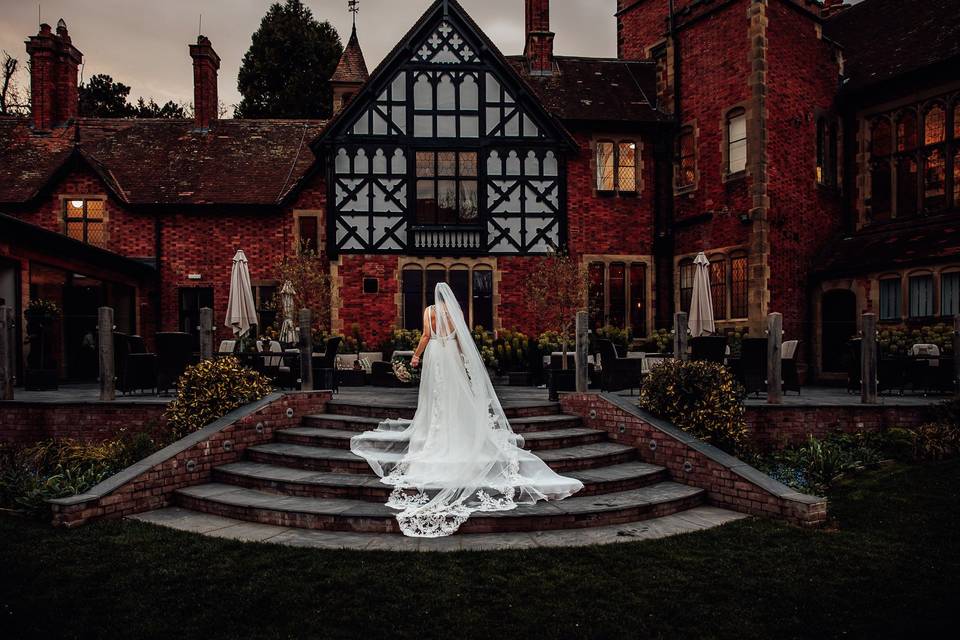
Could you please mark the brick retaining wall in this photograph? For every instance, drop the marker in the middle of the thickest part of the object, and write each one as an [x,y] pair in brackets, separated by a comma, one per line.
[775,427]
[29,422]
[728,481]
[150,483]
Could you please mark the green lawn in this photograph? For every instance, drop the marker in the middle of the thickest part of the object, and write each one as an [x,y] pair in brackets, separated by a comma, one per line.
[889,567]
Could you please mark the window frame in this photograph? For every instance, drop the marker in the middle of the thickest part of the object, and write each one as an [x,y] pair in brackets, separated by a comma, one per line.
[425,292]
[953,273]
[679,158]
[729,142]
[827,152]
[298,217]
[616,144]
[84,219]
[458,179]
[882,314]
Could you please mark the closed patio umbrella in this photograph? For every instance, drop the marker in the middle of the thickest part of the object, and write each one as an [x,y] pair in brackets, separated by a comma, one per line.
[241,310]
[701,305]
[288,332]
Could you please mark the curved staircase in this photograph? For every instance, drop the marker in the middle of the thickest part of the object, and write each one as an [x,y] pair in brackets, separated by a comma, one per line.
[308,479]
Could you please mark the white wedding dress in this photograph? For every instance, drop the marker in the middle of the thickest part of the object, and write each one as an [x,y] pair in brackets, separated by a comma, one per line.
[458,455]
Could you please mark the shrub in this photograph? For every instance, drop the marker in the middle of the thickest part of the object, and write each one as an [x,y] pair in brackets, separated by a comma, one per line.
[209,391]
[897,340]
[701,398]
[620,337]
[936,441]
[663,339]
[484,341]
[405,339]
[512,351]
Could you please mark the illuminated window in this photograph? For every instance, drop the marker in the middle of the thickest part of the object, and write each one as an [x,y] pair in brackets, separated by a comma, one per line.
[686,167]
[687,270]
[617,166]
[83,221]
[718,288]
[738,286]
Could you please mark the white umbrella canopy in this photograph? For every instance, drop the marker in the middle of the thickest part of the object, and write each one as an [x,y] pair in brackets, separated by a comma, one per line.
[701,305]
[288,332]
[241,309]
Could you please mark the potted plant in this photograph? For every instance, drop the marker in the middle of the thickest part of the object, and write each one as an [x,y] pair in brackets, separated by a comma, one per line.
[42,371]
[556,291]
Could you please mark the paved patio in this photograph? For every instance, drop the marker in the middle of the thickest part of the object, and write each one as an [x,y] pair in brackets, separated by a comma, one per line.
[810,397]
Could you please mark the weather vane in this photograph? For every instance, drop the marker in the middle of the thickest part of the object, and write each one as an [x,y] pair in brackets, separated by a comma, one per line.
[354,8]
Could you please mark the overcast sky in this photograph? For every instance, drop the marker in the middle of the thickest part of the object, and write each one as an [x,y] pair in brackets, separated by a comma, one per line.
[143,43]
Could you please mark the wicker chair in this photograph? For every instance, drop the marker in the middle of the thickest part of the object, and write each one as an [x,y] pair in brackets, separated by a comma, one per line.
[618,373]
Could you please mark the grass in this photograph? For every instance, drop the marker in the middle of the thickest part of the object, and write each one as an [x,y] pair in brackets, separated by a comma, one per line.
[889,567]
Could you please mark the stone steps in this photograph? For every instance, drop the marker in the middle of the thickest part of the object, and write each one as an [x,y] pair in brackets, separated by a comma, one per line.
[318,484]
[298,456]
[524,425]
[343,514]
[391,410]
[533,440]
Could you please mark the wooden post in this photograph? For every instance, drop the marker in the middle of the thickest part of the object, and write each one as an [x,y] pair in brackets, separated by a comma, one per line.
[956,353]
[7,349]
[306,351]
[206,333]
[680,335]
[774,354]
[108,391]
[580,357]
[868,360]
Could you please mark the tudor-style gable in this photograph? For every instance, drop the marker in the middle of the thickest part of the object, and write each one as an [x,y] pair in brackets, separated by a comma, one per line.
[446,152]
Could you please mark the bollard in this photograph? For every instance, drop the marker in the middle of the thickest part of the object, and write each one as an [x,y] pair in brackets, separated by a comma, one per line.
[580,357]
[306,351]
[774,363]
[680,335]
[868,360]
[206,333]
[108,391]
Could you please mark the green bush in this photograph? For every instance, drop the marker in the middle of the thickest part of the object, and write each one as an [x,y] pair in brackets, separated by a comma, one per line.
[484,341]
[936,441]
[405,339]
[210,390]
[663,339]
[619,337]
[701,398]
[29,476]
[897,340]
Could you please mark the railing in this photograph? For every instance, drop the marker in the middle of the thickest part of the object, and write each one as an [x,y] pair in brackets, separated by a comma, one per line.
[447,238]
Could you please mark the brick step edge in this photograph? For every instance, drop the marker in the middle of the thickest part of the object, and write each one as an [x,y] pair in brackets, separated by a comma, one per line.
[379,492]
[333,440]
[385,411]
[477,523]
[359,424]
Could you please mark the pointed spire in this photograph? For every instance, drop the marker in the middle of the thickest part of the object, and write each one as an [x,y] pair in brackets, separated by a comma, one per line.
[351,73]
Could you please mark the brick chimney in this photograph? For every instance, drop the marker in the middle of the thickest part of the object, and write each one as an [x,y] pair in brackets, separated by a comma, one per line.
[539,48]
[53,77]
[206,63]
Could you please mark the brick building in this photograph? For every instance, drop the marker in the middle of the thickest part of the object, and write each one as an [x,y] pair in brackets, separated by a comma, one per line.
[812,150]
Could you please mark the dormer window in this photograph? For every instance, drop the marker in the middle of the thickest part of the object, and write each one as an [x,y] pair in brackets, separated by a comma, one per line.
[83,220]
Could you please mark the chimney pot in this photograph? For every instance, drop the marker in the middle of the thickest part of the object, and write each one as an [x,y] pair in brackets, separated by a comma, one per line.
[53,76]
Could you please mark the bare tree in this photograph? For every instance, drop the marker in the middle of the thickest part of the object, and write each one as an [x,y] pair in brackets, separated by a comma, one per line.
[8,88]
[556,290]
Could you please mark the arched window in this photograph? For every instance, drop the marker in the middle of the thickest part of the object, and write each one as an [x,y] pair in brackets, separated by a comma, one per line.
[935,125]
[736,137]
[934,158]
[718,286]
[738,285]
[907,130]
[685,171]
[687,271]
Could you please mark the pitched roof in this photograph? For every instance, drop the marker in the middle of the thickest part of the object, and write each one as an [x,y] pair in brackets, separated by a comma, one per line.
[892,246]
[596,89]
[885,39]
[352,67]
[237,162]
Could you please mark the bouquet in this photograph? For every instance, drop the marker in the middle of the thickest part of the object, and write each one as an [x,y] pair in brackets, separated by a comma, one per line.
[403,370]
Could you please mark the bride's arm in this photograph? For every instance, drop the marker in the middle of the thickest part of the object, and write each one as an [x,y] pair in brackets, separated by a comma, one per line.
[415,361]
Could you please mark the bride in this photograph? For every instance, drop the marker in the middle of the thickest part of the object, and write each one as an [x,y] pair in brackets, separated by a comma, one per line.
[458,454]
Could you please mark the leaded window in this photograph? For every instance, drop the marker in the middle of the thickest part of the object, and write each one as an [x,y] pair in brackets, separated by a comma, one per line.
[446,105]
[738,286]
[687,271]
[596,277]
[617,166]
[826,152]
[83,220]
[447,188]
[718,287]
[685,172]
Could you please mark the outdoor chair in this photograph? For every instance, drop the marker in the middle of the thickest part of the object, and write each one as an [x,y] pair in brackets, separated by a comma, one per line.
[174,353]
[708,349]
[276,367]
[325,366]
[753,365]
[134,368]
[891,372]
[618,373]
[789,354]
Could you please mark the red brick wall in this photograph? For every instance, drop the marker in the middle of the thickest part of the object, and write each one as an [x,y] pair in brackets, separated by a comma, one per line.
[609,224]
[375,314]
[27,422]
[724,486]
[642,24]
[778,427]
[154,488]
[802,81]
